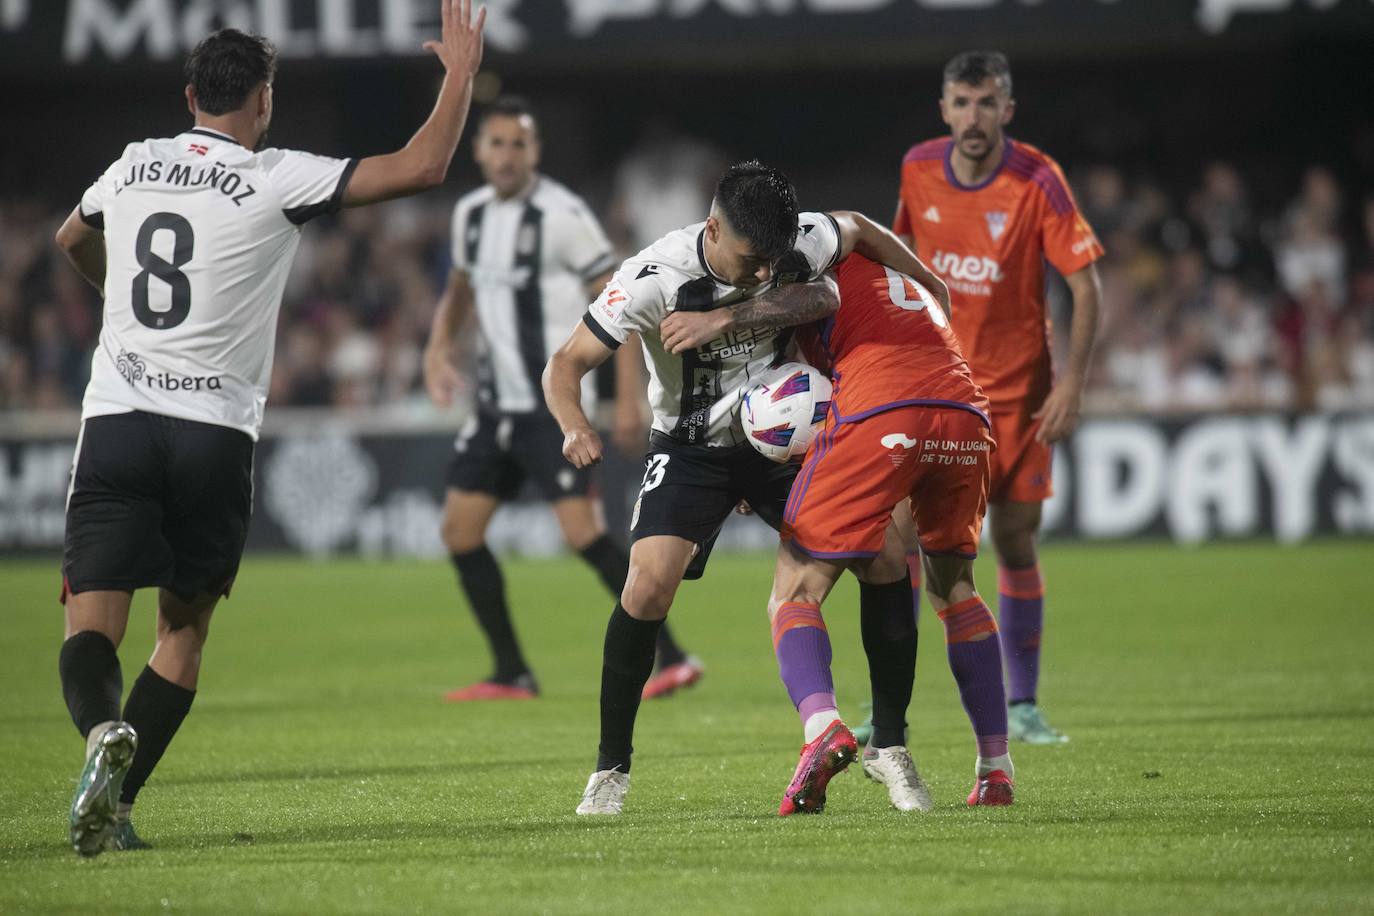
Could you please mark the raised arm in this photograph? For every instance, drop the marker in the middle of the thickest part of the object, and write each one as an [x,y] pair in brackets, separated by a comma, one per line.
[455,304]
[423,162]
[861,234]
[780,307]
[580,354]
[84,246]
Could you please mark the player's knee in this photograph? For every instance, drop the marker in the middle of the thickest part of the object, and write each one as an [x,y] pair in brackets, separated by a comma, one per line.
[1016,549]
[1015,542]
[647,595]
[797,594]
[884,568]
[949,580]
[459,537]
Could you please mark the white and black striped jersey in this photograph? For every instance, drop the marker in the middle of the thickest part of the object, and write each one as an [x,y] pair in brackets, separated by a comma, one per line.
[200,233]
[528,259]
[694,396]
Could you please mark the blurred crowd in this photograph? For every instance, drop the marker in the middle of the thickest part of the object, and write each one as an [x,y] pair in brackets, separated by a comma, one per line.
[1211,301]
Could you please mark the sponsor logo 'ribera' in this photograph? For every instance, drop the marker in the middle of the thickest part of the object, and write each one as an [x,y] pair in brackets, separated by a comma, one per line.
[135,370]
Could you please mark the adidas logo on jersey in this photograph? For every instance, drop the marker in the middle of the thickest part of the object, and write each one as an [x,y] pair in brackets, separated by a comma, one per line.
[931,214]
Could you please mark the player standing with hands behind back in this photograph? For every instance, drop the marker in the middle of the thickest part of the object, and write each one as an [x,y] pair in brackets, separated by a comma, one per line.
[190,240]
[986,212]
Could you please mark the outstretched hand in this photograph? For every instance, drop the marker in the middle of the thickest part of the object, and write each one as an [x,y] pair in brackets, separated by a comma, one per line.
[459,48]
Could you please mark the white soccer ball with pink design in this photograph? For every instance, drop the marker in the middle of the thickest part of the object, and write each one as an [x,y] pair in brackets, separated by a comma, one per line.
[783,409]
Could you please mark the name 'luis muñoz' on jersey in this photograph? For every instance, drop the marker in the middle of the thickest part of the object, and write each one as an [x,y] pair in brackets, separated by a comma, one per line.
[200,234]
[695,395]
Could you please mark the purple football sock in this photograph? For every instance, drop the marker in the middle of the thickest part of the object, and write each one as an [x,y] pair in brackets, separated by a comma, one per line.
[1021,615]
[975,658]
[802,646]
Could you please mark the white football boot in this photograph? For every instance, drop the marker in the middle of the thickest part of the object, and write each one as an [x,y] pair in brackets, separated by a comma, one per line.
[605,792]
[894,768]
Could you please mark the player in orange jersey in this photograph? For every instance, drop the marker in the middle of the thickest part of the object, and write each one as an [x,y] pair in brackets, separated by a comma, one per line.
[905,421]
[986,212]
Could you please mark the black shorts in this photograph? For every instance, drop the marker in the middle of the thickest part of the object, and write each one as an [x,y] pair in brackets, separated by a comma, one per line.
[497,452]
[157,501]
[689,491]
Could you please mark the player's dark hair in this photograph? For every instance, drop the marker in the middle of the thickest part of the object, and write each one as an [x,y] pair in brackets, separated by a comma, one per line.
[972,67]
[759,203]
[508,106]
[225,67]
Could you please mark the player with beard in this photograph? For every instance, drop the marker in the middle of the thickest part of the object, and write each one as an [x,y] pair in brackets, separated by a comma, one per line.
[527,255]
[190,240]
[986,212]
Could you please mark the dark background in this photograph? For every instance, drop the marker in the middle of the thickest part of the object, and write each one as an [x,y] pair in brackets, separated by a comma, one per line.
[833,100]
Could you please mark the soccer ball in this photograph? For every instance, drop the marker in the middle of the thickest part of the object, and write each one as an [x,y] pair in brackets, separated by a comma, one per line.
[783,409]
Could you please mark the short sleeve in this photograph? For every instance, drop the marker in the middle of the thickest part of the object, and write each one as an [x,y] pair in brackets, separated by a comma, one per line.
[98,195]
[1069,242]
[633,301]
[458,237]
[307,185]
[901,223]
[582,246]
[818,241]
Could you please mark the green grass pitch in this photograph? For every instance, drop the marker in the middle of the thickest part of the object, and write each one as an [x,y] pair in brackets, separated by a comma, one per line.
[1220,702]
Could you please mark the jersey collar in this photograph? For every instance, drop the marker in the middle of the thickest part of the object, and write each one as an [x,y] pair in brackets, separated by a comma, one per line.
[705,265]
[524,196]
[209,132]
[959,186]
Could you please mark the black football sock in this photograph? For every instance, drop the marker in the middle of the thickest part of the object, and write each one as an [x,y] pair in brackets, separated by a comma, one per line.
[668,652]
[92,681]
[485,589]
[155,709]
[612,564]
[626,663]
[610,561]
[888,624]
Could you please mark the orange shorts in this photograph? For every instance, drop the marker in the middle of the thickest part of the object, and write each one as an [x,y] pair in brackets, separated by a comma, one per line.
[1021,467]
[856,473]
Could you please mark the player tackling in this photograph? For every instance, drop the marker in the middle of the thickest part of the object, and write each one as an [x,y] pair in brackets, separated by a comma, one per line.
[190,239]
[699,466]
[906,421]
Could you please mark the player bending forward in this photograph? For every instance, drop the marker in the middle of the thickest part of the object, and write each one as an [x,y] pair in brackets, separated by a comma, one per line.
[905,420]
[190,239]
[699,465]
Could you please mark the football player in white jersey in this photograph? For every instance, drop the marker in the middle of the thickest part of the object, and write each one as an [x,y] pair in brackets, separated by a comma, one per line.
[190,239]
[755,255]
[527,255]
